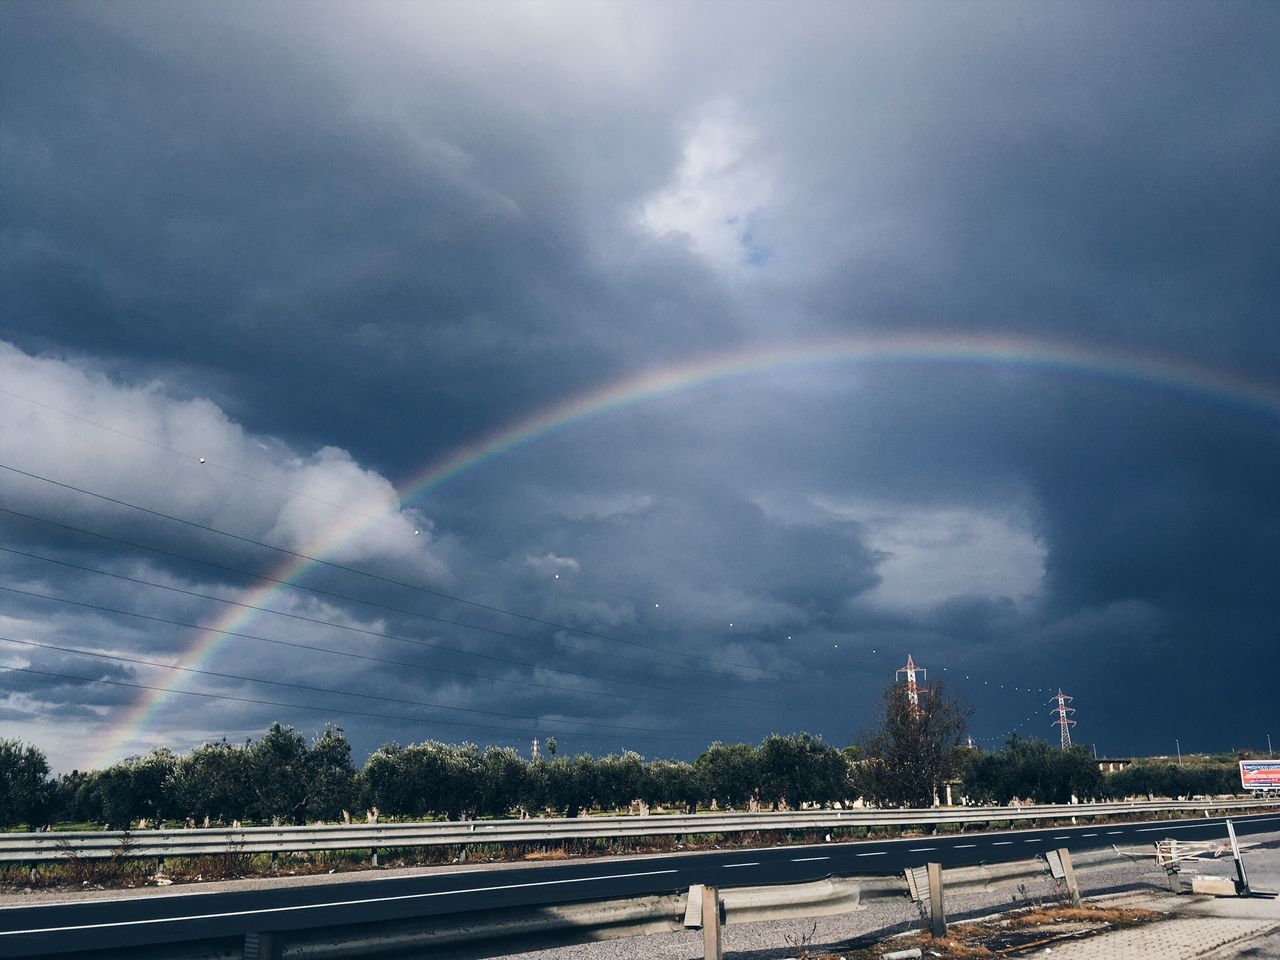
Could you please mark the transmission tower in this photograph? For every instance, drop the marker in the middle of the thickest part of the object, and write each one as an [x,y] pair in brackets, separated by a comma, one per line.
[1064,722]
[913,691]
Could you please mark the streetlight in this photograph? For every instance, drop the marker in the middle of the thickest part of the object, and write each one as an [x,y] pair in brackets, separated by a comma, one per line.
[1179,746]
[1269,753]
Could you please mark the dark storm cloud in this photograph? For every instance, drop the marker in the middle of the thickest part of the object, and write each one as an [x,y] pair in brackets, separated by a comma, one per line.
[394,231]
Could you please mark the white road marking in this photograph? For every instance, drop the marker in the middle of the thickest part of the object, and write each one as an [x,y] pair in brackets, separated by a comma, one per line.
[727,866]
[329,905]
[1002,843]
[879,853]
[807,859]
[1088,834]
[1033,841]
[1110,832]
[1062,838]
[920,849]
[964,846]
[1207,823]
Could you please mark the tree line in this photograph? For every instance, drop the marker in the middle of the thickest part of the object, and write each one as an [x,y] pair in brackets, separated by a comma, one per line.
[282,777]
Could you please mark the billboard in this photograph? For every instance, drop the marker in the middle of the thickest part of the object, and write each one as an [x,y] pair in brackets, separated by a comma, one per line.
[1260,774]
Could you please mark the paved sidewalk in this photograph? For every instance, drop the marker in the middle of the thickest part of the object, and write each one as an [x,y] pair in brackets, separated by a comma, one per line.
[1199,928]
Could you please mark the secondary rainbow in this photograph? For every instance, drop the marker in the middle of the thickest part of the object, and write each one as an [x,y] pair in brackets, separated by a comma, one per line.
[1019,353]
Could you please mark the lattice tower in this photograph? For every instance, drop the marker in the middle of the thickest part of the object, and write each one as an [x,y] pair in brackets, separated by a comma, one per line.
[913,691]
[1064,721]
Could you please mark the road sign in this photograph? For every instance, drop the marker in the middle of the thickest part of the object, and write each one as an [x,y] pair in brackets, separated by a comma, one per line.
[1260,774]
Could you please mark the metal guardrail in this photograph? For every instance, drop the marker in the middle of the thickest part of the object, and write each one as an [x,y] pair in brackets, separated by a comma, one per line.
[102,844]
[468,936]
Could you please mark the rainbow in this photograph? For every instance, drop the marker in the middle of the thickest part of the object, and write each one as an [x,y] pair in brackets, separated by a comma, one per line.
[1019,353]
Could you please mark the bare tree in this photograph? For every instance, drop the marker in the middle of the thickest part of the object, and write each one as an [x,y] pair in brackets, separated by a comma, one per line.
[914,749]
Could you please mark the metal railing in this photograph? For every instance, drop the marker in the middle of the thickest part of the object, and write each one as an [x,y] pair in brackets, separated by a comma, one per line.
[167,843]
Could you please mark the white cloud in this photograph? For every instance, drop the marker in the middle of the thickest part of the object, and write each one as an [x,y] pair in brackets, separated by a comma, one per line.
[551,565]
[932,555]
[717,199]
[141,444]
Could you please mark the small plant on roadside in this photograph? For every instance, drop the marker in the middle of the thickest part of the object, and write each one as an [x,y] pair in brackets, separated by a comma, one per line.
[800,939]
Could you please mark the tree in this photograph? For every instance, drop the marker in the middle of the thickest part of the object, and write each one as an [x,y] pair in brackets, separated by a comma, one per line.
[672,782]
[134,788]
[502,781]
[801,767]
[213,781]
[331,776]
[278,775]
[1032,770]
[382,782]
[731,772]
[25,793]
[914,749]
[619,780]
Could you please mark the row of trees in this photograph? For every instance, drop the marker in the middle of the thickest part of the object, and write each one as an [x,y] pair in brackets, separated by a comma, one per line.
[282,777]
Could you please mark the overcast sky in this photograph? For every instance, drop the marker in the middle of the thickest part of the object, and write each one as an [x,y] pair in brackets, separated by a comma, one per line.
[946,330]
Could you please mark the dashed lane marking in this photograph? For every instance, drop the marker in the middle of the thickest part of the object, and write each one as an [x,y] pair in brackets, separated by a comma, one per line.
[807,859]
[331,904]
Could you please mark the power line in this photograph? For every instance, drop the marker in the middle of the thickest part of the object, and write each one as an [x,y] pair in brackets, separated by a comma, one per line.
[459,673]
[399,583]
[249,636]
[412,666]
[345,693]
[330,623]
[300,706]
[193,458]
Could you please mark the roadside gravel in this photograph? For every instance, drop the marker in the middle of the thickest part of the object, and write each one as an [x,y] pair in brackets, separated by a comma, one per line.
[876,922]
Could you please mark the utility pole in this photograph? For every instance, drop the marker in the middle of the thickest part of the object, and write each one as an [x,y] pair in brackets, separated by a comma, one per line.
[913,691]
[1178,744]
[1064,721]
[1269,753]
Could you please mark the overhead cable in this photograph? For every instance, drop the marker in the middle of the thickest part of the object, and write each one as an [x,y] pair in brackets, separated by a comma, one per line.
[396,582]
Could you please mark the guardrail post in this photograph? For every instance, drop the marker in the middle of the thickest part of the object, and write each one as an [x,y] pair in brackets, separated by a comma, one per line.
[1242,884]
[712,949]
[374,856]
[937,910]
[1069,874]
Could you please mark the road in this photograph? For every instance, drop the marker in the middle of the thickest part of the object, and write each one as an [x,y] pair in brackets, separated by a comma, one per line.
[61,928]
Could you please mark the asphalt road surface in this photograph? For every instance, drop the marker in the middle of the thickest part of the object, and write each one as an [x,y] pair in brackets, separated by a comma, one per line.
[71,926]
